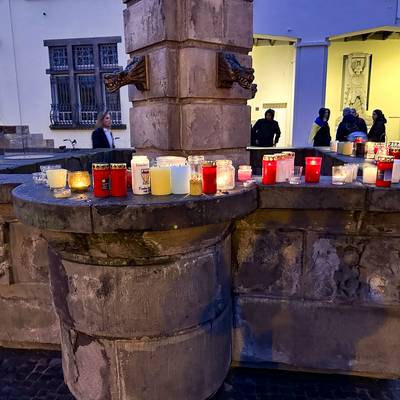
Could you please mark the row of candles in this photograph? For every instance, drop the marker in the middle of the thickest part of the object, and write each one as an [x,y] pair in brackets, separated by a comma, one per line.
[170,175]
[370,150]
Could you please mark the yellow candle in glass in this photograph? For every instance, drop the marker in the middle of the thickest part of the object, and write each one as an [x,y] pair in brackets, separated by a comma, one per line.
[79,181]
[56,178]
[160,181]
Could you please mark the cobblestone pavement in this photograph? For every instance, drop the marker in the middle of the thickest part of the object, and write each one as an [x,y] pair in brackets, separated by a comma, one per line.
[37,375]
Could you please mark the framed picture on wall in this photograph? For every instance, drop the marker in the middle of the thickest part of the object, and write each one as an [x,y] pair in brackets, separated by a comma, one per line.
[356,81]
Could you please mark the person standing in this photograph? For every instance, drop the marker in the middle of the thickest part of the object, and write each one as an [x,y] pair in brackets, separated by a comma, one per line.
[377,133]
[266,131]
[102,137]
[347,126]
[362,126]
[320,134]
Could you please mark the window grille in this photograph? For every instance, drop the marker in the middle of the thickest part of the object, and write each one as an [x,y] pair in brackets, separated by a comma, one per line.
[58,58]
[109,55]
[84,57]
[76,77]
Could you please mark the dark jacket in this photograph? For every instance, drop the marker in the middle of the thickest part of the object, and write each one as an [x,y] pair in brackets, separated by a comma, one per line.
[362,126]
[377,132]
[99,139]
[347,126]
[323,136]
[265,133]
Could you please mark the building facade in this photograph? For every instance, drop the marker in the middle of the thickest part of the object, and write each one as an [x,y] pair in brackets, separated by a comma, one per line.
[53,55]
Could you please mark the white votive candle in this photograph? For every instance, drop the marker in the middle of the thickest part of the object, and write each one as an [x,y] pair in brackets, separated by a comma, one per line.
[369,174]
[396,171]
[180,179]
[57,178]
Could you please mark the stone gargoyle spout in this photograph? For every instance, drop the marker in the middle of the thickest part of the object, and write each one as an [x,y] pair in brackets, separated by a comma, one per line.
[135,73]
[230,71]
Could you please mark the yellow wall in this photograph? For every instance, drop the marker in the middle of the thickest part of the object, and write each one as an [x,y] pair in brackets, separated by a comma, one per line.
[384,84]
[274,66]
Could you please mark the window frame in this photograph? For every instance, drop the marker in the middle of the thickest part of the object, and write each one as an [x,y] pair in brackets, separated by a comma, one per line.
[98,70]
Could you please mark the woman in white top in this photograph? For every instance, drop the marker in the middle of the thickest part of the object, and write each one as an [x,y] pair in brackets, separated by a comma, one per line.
[102,137]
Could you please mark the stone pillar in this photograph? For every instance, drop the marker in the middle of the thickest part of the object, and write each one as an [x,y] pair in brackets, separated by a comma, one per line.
[184,111]
[310,88]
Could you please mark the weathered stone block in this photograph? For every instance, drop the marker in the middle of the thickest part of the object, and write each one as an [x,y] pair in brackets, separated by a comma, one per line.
[162,68]
[268,262]
[190,365]
[148,22]
[318,336]
[28,254]
[185,294]
[381,223]
[383,199]
[198,75]
[215,126]
[27,315]
[155,125]
[352,269]
[321,197]
[331,221]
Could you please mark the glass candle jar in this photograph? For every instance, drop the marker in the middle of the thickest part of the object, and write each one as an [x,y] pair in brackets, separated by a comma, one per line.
[160,181]
[140,167]
[209,176]
[268,170]
[359,147]
[180,179]
[101,179]
[396,171]
[394,150]
[196,181]
[369,173]
[313,169]
[225,175]
[339,175]
[289,163]
[384,171]
[57,178]
[78,181]
[334,146]
[348,148]
[118,180]
[370,150]
[280,168]
[245,173]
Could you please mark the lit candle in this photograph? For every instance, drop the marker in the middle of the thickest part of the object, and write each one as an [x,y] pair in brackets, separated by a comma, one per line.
[180,179]
[244,173]
[79,181]
[209,177]
[348,148]
[313,169]
[225,175]
[369,174]
[57,178]
[160,181]
[268,170]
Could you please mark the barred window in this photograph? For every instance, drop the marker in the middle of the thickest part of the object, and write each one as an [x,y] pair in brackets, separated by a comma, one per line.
[77,67]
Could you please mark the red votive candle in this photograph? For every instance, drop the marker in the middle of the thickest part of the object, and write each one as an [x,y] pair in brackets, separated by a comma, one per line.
[101,180]
[209,172]
[384,171]
[394,150]
[313,169]
[118,180]
[268,170]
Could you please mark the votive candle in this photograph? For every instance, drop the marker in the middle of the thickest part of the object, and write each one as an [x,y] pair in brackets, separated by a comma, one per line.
[57,178]
[268,170]
[180,179]
[244,173]
[160,181]
[369,174]
[313,169]
[209,173]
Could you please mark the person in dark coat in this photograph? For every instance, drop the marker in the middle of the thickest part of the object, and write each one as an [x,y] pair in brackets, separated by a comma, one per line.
[377,132]
[347,126]
[320,134]
[362,126]
[266,131]
[102,137]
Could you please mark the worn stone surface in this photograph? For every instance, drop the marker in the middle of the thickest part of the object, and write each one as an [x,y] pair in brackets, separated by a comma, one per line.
[319,336]
[353,269]
[268,262]
[215,126]
[27,315]
[320,196]
[28,254]
[156,125]
[149,369]
[183,294]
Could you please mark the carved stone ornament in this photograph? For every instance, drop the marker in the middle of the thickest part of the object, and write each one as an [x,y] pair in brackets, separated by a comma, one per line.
[230,71]
[136,73]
